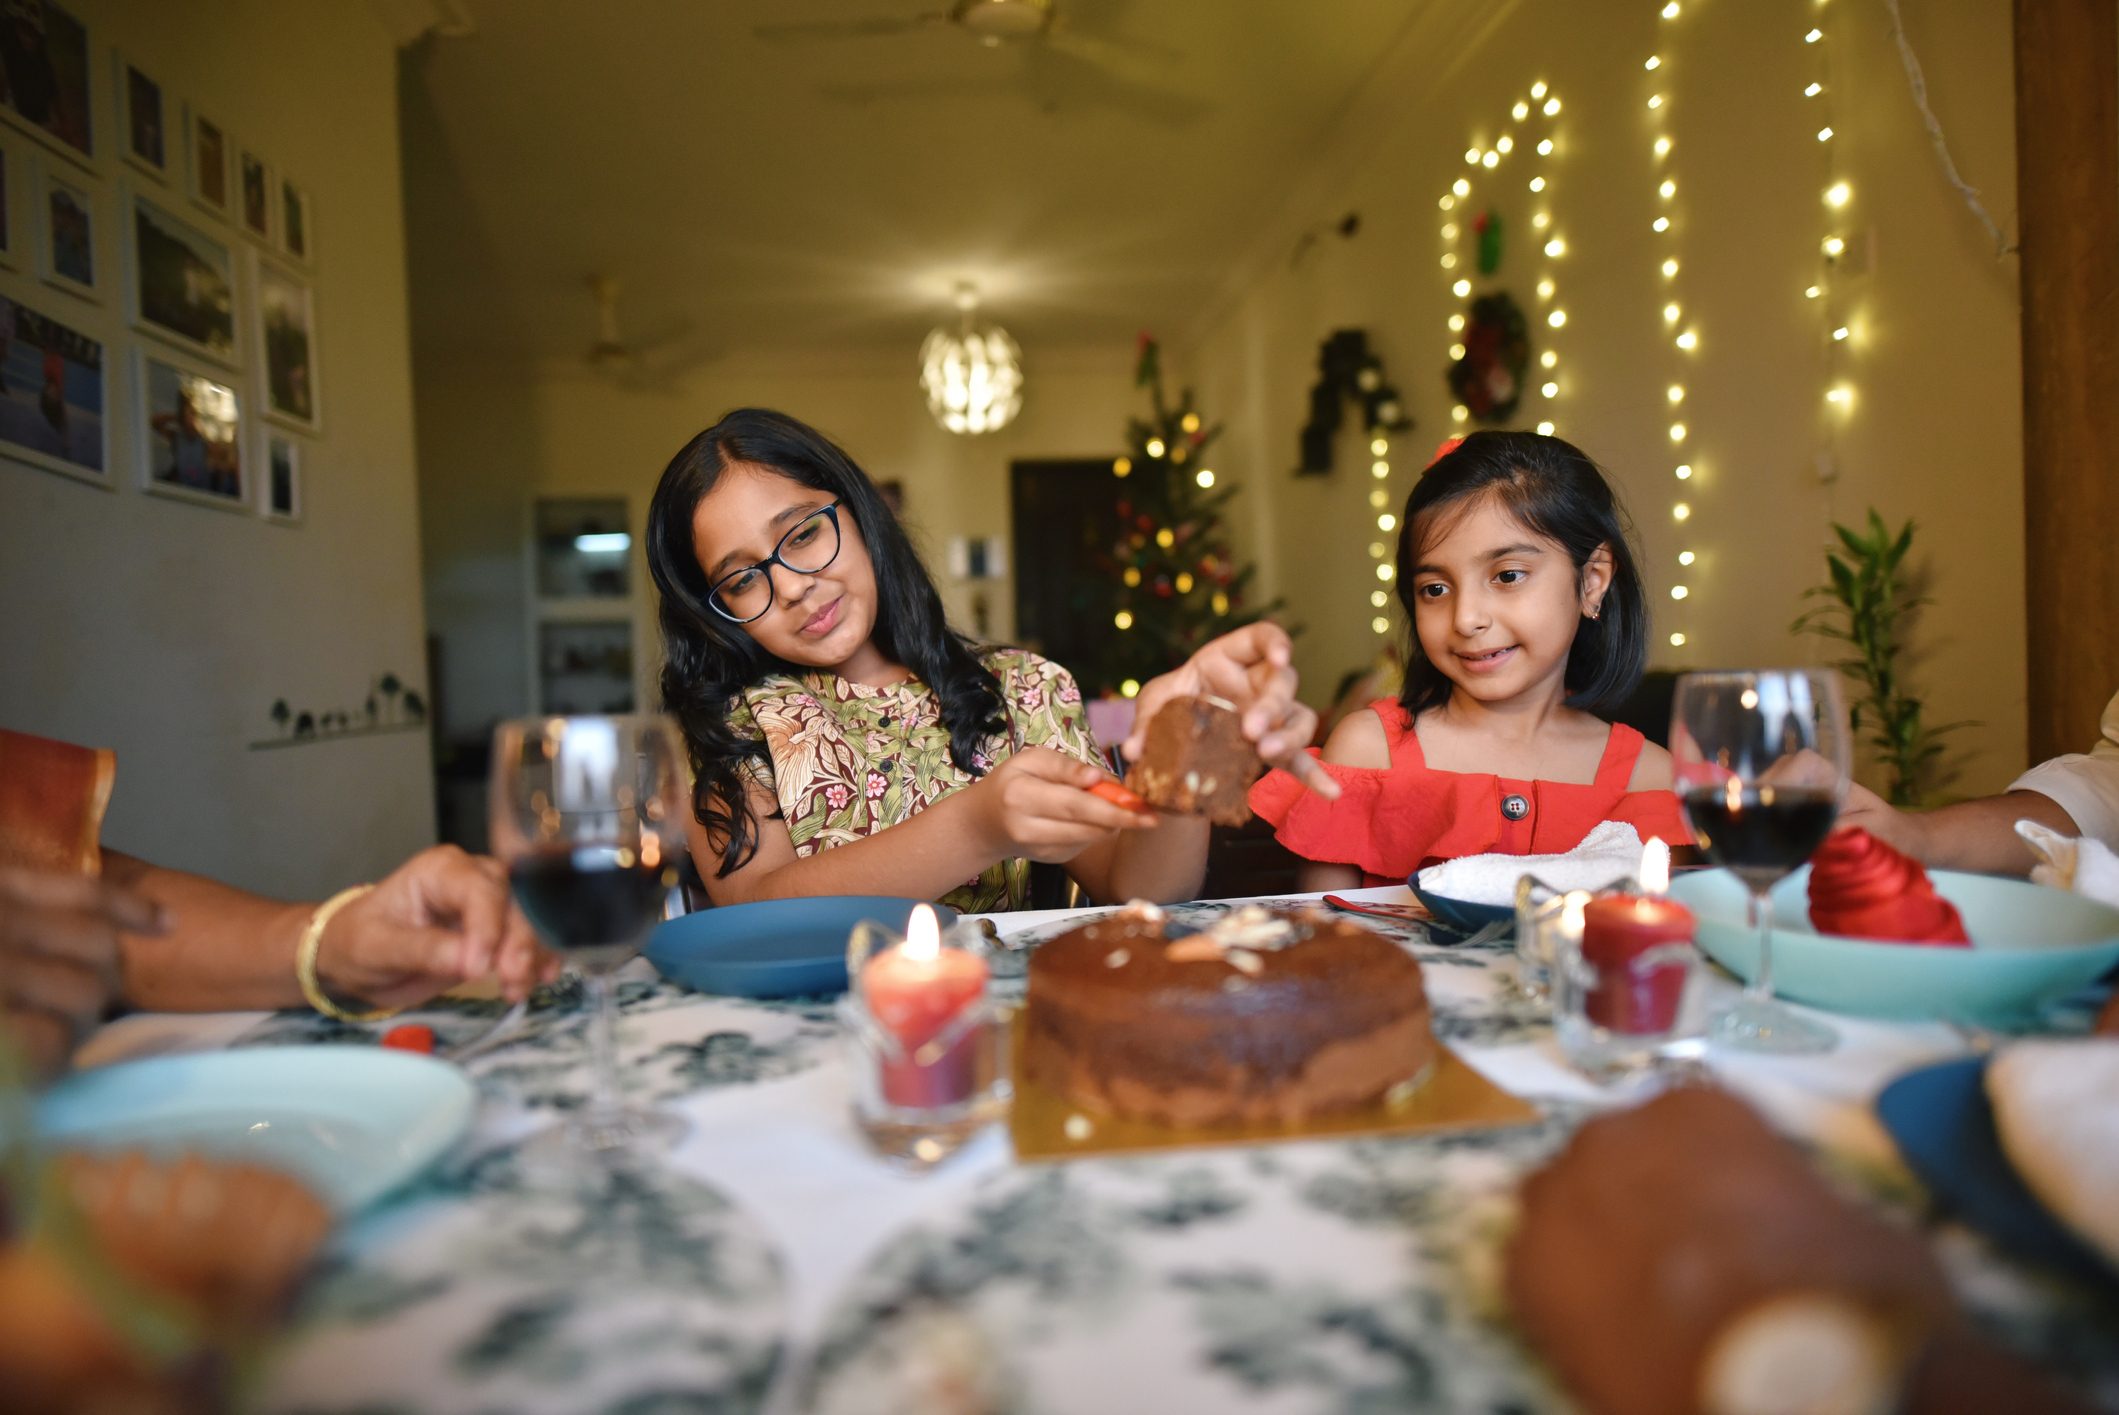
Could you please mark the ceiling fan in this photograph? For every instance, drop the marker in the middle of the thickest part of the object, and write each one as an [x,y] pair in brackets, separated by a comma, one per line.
[638,363]
[1068,62]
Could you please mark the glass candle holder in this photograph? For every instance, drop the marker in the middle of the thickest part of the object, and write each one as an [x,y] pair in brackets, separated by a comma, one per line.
[925,1042]
[1538,910]
[1621,964]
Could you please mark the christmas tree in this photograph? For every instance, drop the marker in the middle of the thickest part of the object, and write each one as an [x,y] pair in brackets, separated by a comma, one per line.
[1180,584]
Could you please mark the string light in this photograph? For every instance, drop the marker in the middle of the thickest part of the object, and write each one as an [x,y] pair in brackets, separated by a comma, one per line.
[1379,598]
[1122,468]
[1204,477]
[1123,619]
[1130,688]
[1828,292]
[1684,339]
[1686,557]
[1380,469]
[1481,158]
[1155,447]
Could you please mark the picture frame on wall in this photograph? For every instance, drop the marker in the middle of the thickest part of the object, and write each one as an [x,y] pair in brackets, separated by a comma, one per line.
[67,218]
[44,49]
[206,165]
[280,482]
[54,387]
[188,430]
[297,232]
[286,343]
[254,192]
[180,282]
[143,118]
[11,180]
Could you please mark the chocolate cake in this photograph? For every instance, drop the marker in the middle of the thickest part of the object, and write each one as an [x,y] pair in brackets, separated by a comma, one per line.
[1264,1018]
[1196,761]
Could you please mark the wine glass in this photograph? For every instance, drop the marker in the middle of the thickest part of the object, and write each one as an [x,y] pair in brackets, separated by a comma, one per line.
[588,816]
[1761,762]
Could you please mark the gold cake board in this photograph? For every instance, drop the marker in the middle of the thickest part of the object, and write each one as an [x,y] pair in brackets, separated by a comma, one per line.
[1454,1097]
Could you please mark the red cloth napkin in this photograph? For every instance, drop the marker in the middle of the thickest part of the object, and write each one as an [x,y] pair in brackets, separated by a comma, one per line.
[1862,888]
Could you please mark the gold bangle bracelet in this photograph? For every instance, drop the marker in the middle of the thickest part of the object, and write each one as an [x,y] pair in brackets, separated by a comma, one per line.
[305,961]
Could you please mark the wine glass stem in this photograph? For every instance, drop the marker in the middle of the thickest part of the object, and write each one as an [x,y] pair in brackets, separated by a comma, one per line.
[1761,984]
[603,1048]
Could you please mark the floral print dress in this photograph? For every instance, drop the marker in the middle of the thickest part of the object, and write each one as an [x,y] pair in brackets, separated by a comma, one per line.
[848,760]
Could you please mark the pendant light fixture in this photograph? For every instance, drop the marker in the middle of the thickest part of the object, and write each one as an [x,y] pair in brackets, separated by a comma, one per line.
[972,373]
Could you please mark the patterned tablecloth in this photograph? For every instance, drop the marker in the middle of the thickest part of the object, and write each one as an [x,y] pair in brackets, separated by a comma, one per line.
[771,1263]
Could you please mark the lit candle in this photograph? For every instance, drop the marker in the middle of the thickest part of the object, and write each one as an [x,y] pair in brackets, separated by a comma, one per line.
[916,990]
[1632,995]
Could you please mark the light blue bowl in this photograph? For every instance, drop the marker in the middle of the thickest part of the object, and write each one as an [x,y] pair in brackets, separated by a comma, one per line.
[2030,945]
[353,1122]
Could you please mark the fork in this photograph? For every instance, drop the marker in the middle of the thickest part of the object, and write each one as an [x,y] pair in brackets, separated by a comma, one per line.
[1487,933]
[499,1034]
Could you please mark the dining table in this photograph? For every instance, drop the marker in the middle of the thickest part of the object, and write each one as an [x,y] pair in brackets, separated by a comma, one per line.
[771,1261]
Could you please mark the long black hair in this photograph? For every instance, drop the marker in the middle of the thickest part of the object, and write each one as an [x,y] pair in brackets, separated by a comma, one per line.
[1554,488]
[709,660]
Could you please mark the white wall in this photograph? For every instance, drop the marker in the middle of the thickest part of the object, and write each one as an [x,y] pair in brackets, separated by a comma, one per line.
[1935,432]
[166,630]
[493,437]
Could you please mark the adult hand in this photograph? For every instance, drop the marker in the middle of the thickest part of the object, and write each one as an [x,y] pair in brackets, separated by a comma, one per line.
[59,957]
[1038,804]
[442,918]
[1901,830]
[1252,667]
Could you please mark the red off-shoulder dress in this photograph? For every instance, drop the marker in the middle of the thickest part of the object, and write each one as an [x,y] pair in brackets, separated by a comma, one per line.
[1395,821]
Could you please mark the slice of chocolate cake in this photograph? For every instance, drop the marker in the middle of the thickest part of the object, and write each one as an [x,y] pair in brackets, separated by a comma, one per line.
[1196,761]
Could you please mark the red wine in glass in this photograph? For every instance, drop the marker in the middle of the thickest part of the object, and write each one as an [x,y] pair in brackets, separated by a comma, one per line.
[594,904]
[588,817]
[1761,833]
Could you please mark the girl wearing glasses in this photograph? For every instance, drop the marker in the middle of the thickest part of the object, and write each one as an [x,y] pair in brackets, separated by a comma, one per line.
[845,740]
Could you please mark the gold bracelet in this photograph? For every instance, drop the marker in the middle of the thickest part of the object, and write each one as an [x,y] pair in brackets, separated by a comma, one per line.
[305,961]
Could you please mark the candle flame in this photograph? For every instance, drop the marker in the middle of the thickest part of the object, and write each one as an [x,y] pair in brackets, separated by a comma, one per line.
[1655,866]
[923,934]
[1572,906]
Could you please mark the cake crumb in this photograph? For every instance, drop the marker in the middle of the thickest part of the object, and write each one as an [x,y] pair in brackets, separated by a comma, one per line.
[1245,961]
[1118,957]
[1252,926]
[1399,1094]
[1078,1127]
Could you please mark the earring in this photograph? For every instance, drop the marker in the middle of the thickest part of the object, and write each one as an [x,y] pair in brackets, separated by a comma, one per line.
[1596,609]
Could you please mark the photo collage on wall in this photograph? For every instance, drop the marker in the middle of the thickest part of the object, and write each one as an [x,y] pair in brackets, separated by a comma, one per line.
[140,237]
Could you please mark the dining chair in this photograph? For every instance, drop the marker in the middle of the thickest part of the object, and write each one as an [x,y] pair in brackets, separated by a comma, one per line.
[52,797]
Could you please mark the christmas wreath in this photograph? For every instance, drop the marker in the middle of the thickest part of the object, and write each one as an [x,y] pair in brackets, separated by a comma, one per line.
[1488,380]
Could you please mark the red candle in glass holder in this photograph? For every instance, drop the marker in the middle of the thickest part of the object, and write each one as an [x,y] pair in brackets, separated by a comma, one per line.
[1617,929]
[916,990]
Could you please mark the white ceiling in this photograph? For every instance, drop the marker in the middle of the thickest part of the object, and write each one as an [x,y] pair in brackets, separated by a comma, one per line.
[775,194]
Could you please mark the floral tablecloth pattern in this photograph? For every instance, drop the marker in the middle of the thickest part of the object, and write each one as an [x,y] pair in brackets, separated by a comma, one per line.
[772,1264]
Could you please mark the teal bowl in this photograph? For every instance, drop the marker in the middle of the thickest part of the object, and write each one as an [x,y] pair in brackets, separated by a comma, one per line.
[2030,946]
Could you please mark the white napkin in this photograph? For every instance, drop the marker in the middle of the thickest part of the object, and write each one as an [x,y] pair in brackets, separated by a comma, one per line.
[2086,866]
[1609,853]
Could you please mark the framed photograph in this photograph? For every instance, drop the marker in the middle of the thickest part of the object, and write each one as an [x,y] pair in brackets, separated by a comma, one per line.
[182,281]
[256,194]
[207,163]
[142,119]
[189,432]
[44,58]
[66,231]
[52,391]
[295,230]
[280,485]
[11,177]
[286,341]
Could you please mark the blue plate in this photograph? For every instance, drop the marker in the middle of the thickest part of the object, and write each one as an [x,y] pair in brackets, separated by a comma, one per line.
[352,1122]
[1944,1126]
[2030,946]
[775,947]
[1460,915]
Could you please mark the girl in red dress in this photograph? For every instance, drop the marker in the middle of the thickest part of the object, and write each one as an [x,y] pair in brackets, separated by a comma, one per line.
[1528,614]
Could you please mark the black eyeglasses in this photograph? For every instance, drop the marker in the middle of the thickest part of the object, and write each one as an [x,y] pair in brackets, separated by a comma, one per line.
[808,548]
